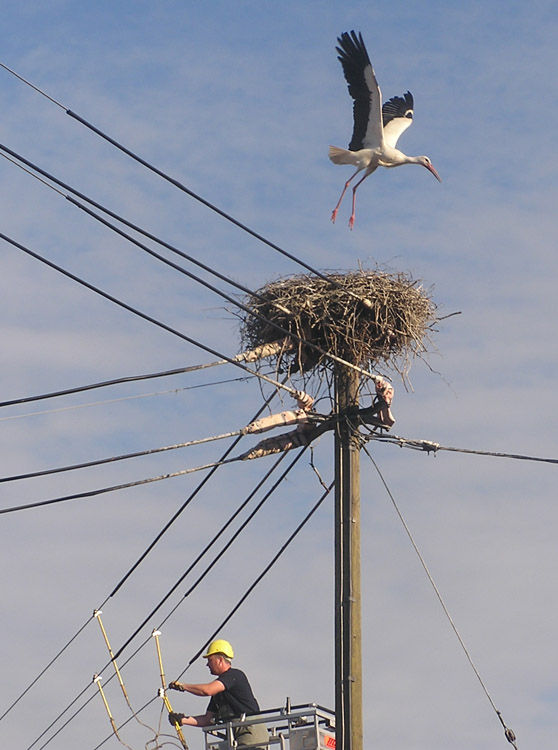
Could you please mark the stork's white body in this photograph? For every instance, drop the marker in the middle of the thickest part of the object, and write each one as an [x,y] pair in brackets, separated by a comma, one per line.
[376,128]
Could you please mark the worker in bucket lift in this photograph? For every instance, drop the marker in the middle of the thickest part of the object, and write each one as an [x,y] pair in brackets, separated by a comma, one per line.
[230,697]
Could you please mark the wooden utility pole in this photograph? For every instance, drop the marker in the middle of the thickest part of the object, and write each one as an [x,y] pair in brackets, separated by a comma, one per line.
[348,638]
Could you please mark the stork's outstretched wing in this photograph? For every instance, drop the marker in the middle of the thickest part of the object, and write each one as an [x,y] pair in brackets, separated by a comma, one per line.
[397,115]
[364,89]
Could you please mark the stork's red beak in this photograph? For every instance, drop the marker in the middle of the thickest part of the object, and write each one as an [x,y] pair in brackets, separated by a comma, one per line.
[431,169]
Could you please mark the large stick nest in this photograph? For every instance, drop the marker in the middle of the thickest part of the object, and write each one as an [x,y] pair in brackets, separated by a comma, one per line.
[368,318]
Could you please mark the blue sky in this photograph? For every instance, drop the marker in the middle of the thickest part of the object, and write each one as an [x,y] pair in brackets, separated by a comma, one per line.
[240,102]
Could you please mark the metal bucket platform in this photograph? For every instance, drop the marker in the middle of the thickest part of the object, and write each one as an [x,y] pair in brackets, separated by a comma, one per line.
[306,727]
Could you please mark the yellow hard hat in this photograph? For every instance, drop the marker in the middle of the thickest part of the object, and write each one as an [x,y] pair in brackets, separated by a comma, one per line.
[220,647]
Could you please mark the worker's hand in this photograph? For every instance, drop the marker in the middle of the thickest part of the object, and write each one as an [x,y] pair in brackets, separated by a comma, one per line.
[175,718]
[176,686]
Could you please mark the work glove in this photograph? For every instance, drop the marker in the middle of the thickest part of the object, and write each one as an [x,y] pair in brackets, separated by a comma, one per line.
[176,686]
[175,718]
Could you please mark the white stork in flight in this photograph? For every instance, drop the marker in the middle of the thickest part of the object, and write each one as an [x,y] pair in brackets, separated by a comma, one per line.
[376,128]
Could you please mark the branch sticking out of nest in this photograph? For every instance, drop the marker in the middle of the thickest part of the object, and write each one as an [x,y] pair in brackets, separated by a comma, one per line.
[330,316]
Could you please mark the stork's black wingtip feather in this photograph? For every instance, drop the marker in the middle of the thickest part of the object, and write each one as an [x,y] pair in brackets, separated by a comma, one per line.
[351,46]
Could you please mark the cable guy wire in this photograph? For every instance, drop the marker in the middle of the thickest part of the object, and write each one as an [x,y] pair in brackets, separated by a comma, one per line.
[508,732]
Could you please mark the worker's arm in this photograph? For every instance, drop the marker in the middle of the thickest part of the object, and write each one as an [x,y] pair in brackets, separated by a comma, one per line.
[203,720]
[204,689]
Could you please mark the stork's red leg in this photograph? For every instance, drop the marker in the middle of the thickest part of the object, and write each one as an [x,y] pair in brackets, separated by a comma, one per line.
[352,219]
[336,209]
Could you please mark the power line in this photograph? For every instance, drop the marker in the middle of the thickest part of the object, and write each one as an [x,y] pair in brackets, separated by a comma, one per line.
[135,483]
[185,504]
[47,667]
[250,429]
[118,217]
[116,487]
[245,596]
[185,189]
[139,711]
[144,316]
[113,459]
[114,381]
[427,446]
[154,254]
[309,268]
[226,547]
[174,391]
[144,554]
[262,575]
[208,568]
[223,550]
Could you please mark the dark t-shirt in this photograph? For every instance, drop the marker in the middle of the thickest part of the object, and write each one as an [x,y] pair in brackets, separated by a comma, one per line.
[236,699]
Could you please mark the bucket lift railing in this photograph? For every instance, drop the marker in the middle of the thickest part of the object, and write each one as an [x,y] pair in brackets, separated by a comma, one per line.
[304,727]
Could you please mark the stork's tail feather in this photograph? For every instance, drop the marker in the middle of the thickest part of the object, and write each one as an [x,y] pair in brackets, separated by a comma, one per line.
[341,155]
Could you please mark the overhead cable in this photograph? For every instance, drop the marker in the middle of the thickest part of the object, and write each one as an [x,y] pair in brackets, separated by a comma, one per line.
[185,504]
[295,439]
[122,457]
[229,299]
[427,446]
[266,570]
[183,187]
[119,652]
[257,426]
[92,404]
[124,723]
[245,596]
[47,667]
[114,381]
[139,560]
[115,487]
[79,710]
[250,355]
[224,549]
[144,316]
[121,219]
